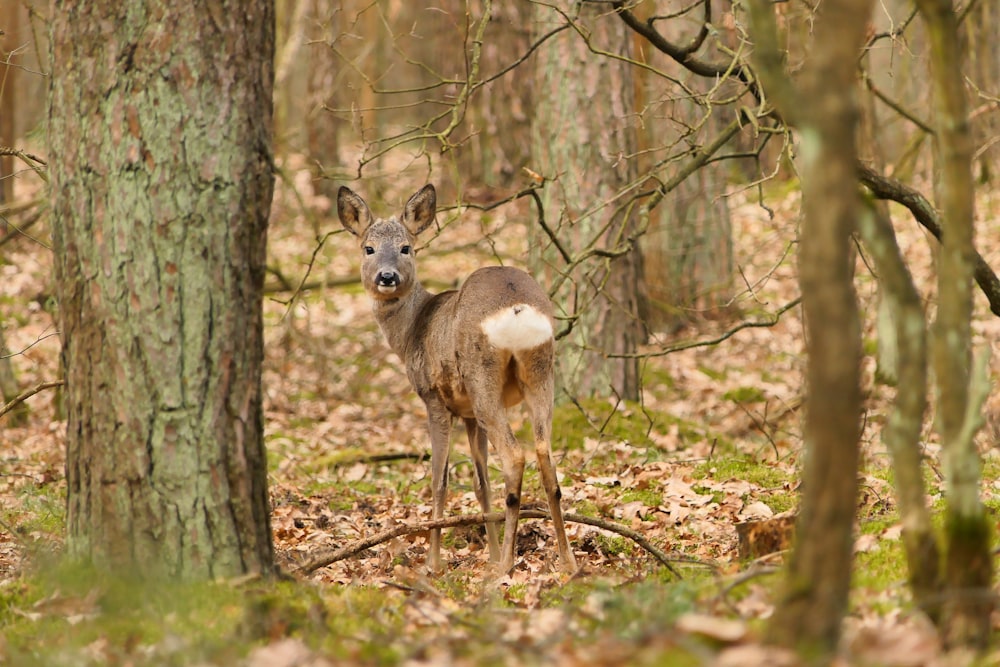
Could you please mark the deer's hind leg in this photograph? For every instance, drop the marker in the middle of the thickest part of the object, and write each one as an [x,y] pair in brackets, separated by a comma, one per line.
[539,391]
[478,446]
[491,415]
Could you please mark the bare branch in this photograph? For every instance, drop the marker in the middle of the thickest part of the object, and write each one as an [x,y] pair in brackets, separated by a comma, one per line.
[28,393]
[683,55]
[756,324]
[883,187]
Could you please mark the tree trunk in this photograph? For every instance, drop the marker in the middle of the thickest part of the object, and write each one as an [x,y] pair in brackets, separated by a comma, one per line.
[824,110]
[969,564]
[902,430]
[160,115]
[984,71]
[688,249]
[322,126]
[583,135]
[503,108]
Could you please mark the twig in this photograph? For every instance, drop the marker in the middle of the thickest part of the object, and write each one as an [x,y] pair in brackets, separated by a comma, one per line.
[332,556]
[21,229]
[28,393]
[312,260]
[27,158]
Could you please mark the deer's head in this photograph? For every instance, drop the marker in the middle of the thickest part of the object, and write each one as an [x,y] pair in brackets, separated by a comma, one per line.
[388,270]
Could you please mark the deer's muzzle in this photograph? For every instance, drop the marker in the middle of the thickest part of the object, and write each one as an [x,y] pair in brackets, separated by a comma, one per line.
[387,281]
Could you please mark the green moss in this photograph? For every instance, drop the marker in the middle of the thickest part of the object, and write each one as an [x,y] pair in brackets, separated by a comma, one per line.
[41,508]
[763,474]
[745,395]
[651,497]
[121,612]
[780,502]
[638,610]
[614,545]
[657,379]
[627,421]
[882,568]
[712,373]
[586,508]
[52,619]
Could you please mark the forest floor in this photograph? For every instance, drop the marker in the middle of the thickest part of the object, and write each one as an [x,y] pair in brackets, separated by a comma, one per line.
[715,441]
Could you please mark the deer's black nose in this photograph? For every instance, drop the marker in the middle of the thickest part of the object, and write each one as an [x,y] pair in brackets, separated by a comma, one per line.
[388,278]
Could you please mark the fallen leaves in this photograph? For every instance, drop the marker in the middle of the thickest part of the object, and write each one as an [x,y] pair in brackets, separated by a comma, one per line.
[336,399]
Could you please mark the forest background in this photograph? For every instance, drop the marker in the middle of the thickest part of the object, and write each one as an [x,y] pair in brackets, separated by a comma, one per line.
[688,179]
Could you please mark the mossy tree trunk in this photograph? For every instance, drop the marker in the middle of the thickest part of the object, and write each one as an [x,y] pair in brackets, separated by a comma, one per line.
[161,180]
[823,108]
[969,565]
[583,137]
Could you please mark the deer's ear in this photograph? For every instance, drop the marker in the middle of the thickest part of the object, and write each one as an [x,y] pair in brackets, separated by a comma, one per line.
[353,211]
[420,209]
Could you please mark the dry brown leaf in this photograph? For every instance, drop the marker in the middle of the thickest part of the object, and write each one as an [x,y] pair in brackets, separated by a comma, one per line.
[725,630]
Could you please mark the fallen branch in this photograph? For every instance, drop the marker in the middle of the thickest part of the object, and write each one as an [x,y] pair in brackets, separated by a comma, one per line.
[332,556]
[26,394]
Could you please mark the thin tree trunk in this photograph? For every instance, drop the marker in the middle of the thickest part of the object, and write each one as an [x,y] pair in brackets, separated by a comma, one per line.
[160,115]
[10,75]
[969,564]
[980,28]
[824,110]
[902,431]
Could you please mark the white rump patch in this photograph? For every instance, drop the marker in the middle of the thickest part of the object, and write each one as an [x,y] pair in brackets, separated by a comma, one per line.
[519,327]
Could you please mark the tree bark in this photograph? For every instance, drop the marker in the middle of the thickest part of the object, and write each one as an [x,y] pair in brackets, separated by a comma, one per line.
[902,430]
[583,137]
[688,249]
[968,568]
[823,106]
[160,115]
[322,126]
[503,108]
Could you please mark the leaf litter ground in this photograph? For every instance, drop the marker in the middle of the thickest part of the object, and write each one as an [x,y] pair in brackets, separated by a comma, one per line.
[716,440]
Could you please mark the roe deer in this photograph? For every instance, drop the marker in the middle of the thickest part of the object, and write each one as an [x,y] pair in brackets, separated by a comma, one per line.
[469,353]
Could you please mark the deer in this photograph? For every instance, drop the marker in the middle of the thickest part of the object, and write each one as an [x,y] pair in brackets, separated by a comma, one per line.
[470,354]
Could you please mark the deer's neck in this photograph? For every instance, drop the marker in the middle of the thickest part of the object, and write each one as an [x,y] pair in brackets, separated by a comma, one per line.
[397,317]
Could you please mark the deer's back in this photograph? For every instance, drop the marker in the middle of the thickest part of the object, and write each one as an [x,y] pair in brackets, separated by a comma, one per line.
[494,288]
[500,321]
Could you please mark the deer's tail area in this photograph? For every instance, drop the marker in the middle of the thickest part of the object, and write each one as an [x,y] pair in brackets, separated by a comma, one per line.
[517,327]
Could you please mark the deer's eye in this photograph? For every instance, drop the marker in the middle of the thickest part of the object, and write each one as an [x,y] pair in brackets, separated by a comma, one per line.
[405,250]
[369,250]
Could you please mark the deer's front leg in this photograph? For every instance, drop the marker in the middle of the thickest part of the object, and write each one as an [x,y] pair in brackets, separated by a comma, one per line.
[439,425]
